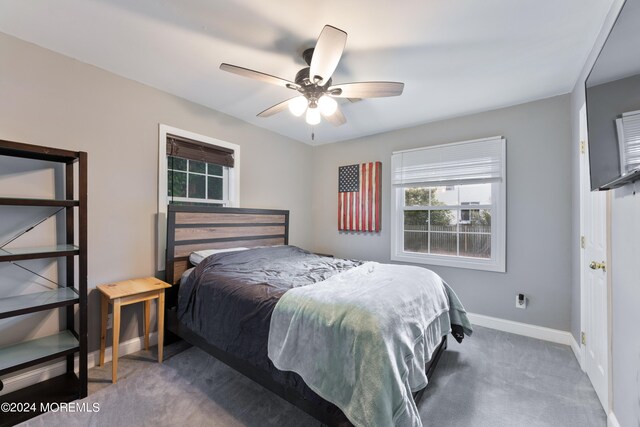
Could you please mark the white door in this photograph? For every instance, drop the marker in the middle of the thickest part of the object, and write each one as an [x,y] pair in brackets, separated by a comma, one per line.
[593,275]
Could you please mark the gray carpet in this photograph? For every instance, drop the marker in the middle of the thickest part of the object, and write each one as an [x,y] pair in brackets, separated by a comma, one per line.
[492,379]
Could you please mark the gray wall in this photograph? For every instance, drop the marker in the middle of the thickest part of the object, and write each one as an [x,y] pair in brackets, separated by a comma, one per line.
[538,207]
[49,99]
[625,269]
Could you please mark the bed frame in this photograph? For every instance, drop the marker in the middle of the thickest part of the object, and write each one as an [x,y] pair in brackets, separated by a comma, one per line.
[191,228]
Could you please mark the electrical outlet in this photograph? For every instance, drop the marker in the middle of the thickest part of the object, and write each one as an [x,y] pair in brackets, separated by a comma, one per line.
[110,321]
[521,301]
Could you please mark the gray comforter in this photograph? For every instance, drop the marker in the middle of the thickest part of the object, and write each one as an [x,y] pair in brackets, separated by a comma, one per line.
[361,339]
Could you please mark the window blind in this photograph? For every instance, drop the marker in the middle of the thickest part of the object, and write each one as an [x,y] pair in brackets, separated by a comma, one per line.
[185,148]
[467,162]
[629,140]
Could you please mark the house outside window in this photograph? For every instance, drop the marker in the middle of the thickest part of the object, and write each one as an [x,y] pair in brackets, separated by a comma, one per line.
[448,205]
[466,215]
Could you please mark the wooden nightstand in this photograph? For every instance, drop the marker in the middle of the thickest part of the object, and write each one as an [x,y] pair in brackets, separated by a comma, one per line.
[125,293]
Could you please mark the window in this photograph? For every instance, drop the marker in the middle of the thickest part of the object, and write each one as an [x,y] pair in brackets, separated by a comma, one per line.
[194,169]
[197,171]
[193,181]
[448,205]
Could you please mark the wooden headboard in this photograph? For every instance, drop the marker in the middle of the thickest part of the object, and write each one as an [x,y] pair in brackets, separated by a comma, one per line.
[193,228]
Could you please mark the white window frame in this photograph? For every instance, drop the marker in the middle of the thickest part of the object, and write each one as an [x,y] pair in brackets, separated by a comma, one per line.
[497,262]
[232,198]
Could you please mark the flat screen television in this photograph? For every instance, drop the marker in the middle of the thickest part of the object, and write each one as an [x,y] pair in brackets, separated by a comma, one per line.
[613,104]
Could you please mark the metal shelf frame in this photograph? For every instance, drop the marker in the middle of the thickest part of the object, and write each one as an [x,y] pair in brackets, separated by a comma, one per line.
[68,342]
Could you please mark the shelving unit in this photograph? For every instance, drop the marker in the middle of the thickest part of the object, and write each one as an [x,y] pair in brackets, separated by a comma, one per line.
[67,342]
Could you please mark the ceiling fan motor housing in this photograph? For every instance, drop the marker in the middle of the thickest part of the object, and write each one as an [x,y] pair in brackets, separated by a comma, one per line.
[307,55]
[308,89]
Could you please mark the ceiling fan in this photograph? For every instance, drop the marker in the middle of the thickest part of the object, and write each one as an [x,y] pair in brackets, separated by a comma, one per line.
[314,84]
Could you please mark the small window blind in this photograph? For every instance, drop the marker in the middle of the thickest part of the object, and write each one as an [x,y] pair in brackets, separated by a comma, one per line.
[629,141]
[467,162]
[185,148]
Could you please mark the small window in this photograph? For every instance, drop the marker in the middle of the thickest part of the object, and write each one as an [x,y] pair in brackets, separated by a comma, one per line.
[193,181]
[449,205]
[198,171]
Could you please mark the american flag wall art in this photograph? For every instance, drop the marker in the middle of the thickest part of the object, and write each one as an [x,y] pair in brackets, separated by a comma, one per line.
[359,203]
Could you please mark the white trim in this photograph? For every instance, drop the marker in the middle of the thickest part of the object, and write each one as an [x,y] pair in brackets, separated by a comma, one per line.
[582,158]
[194,200]
[233,197]
[518,328]
[25,379]
[483,264]
[609,306]
[583,162]
[577,352]
[612,421]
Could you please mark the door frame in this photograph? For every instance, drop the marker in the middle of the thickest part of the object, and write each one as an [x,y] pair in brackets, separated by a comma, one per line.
[583,144]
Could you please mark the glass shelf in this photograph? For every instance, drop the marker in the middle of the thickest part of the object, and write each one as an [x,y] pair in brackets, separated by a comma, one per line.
[19,201]
[16,254]
[38,301]
[32,352]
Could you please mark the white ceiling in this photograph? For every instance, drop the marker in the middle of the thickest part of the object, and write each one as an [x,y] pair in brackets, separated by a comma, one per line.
[455,57]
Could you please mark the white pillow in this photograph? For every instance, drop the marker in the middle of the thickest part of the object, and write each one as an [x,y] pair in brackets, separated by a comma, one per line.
[197,256]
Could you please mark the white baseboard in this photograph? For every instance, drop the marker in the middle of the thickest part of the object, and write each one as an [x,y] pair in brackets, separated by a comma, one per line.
[127,347]
[25,379]
[518,328]
[612,421]
[577,352]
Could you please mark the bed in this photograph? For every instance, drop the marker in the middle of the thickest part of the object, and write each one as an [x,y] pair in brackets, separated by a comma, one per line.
[237,331]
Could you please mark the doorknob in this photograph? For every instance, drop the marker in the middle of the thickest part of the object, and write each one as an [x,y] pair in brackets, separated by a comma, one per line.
[596,265]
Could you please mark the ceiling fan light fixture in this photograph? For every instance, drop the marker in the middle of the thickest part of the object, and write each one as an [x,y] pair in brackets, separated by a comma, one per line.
[327,105]
[314,84]
[298,106]
[313,116]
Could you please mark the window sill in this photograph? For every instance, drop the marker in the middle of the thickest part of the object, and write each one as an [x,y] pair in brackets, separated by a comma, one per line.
[446,261]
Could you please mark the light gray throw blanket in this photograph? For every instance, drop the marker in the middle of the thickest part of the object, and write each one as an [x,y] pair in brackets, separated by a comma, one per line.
[361,339]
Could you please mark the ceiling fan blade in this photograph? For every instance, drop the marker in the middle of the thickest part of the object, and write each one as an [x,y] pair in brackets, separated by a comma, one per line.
[337,118]
[275,109]
[327,53]
[257,75]
[366,90]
